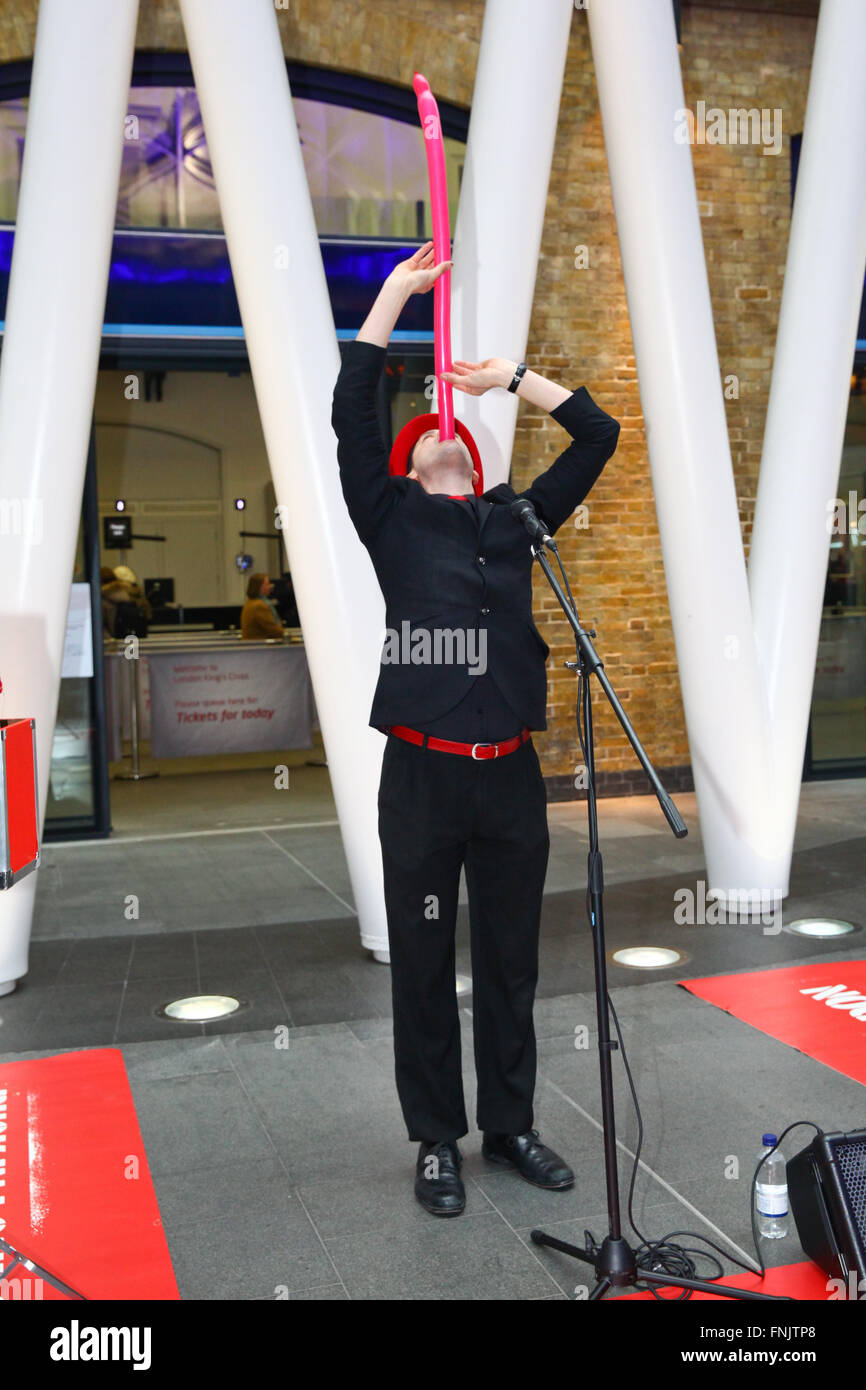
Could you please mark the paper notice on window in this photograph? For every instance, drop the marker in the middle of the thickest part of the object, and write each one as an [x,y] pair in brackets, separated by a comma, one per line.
[78,647]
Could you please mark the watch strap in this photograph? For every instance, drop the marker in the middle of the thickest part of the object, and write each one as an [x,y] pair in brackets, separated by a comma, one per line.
[515,380]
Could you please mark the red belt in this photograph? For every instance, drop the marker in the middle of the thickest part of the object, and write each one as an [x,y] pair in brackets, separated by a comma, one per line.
[477,751]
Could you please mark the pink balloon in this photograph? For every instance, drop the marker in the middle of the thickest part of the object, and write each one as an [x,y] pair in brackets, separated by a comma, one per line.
[428,112]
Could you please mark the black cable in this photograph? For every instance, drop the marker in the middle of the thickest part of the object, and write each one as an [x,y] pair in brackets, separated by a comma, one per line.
[663,1254]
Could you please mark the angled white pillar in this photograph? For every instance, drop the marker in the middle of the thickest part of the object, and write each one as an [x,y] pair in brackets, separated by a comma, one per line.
[503,196]
[273,244]
[640,92]
[746,650]
[66,207]
[810,387]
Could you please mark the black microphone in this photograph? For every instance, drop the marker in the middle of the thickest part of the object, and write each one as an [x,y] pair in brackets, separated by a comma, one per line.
[523,511]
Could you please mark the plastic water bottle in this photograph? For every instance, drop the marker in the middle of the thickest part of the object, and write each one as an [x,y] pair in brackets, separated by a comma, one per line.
[771,1193]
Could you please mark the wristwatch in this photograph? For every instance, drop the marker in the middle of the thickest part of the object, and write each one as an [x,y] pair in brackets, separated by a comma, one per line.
[515,380]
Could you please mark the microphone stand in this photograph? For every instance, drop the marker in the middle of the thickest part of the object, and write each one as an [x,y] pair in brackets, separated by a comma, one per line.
[19,1259]
[614,1260]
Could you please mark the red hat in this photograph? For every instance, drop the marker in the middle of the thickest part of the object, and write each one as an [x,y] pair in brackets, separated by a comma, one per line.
[412,432]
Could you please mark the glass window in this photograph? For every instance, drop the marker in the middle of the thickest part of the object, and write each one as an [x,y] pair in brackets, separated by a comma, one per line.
[409,378]
[71,783]
[13,119]
[367,172]
[838,728]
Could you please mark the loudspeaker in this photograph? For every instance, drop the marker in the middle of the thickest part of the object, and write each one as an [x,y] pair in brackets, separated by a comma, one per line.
[827,1194]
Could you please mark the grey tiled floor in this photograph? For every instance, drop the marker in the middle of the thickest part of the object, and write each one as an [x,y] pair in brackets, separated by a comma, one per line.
[207,877]
[288,1168]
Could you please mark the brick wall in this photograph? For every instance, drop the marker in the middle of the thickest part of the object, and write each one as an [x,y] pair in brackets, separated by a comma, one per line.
[580,331]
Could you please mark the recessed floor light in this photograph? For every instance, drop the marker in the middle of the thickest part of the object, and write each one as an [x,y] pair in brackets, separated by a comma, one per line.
[647,957]
[821,927]
[201,1008]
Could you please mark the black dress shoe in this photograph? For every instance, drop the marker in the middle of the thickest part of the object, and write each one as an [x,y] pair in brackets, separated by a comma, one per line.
[438,1185]
[534,1161]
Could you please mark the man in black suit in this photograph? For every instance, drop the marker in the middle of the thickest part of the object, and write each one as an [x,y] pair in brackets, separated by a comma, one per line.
[462,684]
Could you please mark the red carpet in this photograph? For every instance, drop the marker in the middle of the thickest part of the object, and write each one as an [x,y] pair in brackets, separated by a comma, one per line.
[795,1281]
[78,1198]
[819,1009]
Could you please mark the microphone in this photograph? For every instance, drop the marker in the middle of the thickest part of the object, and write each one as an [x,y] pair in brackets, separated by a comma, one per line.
[523,511]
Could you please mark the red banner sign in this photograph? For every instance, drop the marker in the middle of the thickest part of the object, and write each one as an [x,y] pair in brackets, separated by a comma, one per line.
[819,1009]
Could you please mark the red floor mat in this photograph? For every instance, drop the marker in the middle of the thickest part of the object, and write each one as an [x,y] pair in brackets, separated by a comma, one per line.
[804,1280]
[78,1198]
[819,1009]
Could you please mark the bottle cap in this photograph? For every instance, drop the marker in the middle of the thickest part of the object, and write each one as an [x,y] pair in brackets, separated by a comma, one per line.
[770,1141]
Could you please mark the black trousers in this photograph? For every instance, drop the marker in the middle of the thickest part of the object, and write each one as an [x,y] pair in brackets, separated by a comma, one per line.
[438,812]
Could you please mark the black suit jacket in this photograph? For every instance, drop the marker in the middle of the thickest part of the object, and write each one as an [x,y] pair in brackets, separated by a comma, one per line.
[440,569]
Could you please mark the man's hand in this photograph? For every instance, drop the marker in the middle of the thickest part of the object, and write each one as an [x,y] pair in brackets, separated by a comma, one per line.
[477,377]
[419,273]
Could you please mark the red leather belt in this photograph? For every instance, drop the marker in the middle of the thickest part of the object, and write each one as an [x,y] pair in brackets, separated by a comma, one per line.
[478,751]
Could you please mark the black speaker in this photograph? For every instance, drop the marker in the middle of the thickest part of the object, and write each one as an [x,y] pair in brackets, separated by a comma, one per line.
[827,1195]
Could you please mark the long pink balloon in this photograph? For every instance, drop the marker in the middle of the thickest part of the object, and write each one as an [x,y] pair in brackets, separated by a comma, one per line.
[428,111]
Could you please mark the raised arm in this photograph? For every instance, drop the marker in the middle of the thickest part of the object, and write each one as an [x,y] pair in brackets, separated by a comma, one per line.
[362,453]
[562,487]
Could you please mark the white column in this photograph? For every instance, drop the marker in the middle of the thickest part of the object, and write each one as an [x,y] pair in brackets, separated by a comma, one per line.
[810,386]
[253,145]
[66,209]
[503,195]
[640,93]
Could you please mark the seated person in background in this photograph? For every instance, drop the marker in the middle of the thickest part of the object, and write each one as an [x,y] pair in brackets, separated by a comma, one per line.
[123,596]
[113,594]
[283,600]
[126,576]
[259,617]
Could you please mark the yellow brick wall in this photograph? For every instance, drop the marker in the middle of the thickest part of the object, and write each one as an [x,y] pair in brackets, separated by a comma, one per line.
[580,330]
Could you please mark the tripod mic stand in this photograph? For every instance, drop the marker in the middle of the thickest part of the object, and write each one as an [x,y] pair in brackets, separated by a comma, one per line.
[614,1260]
[34,1268]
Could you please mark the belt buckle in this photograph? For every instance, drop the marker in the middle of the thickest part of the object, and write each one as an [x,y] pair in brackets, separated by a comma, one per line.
[484,745]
